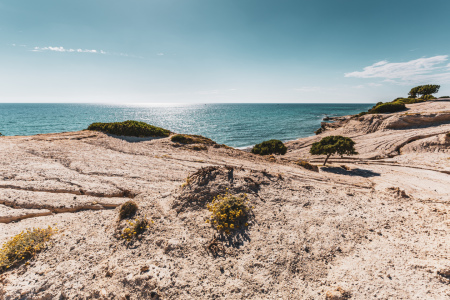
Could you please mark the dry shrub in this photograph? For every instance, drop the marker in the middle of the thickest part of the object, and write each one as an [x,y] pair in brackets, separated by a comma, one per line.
[199,147]
[24,246]
[127,210]
[307,165]
[229,212]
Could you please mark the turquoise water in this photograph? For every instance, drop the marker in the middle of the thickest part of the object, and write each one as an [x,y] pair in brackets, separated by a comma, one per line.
[237,125]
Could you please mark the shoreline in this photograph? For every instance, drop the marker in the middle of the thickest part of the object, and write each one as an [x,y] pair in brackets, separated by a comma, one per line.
[361,225]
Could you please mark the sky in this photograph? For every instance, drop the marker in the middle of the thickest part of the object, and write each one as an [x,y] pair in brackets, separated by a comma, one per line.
[221,51]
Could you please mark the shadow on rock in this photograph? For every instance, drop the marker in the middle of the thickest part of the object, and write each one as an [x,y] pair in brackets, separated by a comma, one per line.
[134,139]
[354,172]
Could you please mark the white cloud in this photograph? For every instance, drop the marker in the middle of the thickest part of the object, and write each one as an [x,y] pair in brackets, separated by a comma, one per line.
[418,70]
[374,84]
[160,54]
[361,86]
[62,49]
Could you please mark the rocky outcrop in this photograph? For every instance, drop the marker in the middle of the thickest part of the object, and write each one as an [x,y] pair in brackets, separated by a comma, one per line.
[435,143]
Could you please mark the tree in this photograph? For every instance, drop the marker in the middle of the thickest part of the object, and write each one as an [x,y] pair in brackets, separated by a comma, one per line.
[334,144]
[270,147]
[424,90]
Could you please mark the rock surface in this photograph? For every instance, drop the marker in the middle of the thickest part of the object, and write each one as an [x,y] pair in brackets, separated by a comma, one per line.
[376,224]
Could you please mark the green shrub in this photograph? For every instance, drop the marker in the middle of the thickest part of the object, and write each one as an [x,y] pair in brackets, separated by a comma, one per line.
[127,210]
[448,133]
[428,97]
[362,113]
[444,97]
[130,128]
[191,139]
[387,108]
[270,147]
[408,100]
[24,246]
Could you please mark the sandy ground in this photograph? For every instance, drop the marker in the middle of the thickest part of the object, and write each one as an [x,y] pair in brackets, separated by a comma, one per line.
[377,228]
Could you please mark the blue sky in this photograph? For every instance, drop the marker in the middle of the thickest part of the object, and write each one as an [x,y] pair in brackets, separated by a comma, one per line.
[160,51]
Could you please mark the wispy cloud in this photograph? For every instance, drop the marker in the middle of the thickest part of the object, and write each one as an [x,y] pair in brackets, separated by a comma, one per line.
[62,49]
[418,70]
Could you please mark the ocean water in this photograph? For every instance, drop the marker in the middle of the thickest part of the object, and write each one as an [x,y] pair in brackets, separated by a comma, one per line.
[236,125]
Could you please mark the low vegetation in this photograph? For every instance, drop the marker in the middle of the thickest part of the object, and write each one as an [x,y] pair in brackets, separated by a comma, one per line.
[444,97]
[127,210]
[408,100]
[24,246]
[229,212]
[334,144]
[448,134]
[399,103]
[130,128]
[307,165]
[135,228]
[270,147]
[389,107]
[199,147]
[191,139]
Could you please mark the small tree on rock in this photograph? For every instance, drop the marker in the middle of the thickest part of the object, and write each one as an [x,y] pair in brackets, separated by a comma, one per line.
[424,90]
[334,144]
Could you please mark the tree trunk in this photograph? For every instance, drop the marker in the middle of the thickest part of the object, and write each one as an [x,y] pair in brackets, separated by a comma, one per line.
[326,159]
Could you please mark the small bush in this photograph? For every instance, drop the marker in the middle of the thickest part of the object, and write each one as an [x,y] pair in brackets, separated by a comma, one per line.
[387,108]
[319,131]
[135,228]
[408,100]
[362,113]
[24,246]
[130,128]
[448,134]
[307,165]
[270,147]
[191,139]
[127,210]
[428,97]
[444,97]
[199,147]
[229,212]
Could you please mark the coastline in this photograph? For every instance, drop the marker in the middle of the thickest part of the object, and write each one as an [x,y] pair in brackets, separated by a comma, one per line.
[376,222]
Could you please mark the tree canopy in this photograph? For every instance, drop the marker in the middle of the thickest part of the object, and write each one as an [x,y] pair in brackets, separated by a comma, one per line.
[424,90]
[334,144]
[270,147]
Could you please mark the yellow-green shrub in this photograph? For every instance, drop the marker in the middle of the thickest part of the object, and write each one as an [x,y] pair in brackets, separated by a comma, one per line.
[229,212]
[24,246]
[135,228]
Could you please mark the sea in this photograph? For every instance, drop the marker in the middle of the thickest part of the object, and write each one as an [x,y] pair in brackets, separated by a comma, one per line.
[236,125]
